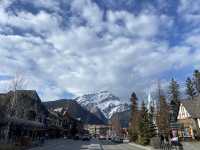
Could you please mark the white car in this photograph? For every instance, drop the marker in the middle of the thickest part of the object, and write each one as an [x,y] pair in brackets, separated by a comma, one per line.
[101,137]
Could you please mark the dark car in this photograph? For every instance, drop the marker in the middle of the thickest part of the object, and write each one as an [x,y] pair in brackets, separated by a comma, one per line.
[86,137]
[117,139]
[76,137]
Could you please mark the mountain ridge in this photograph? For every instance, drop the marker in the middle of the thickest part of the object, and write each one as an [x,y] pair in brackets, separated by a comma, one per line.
[105,101]
[94,108]
[74,109]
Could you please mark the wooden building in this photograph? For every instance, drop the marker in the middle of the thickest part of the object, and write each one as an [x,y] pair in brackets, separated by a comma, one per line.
[71,126]
[189,118]
[54,127]
[23,116]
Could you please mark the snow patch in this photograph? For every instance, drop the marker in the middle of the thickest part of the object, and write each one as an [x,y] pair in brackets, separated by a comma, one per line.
[105,101]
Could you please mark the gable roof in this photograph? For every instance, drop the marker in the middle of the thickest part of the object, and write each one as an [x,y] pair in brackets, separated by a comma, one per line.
[5,97]
[30,93]
[193,107]
[26,97]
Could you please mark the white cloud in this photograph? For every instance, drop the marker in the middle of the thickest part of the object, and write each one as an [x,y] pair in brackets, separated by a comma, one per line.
[120,53]
[40,23]
[190,11]
[88,11]
[144,25]
[193,40]
[50,4]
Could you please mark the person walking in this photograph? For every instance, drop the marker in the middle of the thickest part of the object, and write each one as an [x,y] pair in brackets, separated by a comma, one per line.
[162,141]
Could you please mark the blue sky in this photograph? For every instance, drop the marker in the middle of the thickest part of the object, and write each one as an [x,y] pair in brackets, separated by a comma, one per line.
[64,49]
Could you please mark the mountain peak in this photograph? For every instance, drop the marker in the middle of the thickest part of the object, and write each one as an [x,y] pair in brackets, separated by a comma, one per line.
[104,100]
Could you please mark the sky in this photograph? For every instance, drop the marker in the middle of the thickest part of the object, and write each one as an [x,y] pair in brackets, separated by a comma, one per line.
[67,48]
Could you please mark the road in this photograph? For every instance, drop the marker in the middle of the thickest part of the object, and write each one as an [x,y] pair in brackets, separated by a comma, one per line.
[62,144]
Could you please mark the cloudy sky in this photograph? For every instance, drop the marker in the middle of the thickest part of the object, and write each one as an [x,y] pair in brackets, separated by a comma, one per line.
[66,48]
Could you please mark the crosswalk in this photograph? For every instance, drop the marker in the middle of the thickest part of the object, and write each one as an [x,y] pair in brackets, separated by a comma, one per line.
[94,147]
[91,147]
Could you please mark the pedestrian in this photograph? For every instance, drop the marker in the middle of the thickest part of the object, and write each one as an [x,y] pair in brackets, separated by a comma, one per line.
[162,140]
[175,141]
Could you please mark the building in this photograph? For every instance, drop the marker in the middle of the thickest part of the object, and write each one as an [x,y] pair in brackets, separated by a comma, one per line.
[54,125]
[71,125]
[98,130]
[23,115]
[189,118]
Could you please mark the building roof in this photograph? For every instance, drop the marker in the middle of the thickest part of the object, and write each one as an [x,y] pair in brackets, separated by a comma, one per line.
[5,97]
[193,107]
[31,93]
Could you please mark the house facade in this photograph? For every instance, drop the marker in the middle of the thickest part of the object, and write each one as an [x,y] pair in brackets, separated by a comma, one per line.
[189,118]
[24,115]
[71,125]
[98,130]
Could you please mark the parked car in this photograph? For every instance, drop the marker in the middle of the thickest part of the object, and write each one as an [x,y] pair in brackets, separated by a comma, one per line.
[126,140]
[76,137]
[102,137]
[117,139]
[109,138]
[86,137]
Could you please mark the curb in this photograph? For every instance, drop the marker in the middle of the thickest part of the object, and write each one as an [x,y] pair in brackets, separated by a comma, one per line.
[140,146]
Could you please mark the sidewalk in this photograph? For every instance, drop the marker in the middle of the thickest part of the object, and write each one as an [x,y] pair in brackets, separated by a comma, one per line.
[191,145]
[186,146]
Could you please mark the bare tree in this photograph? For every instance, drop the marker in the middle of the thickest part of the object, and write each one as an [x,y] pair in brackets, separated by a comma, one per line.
[18,83]
[116,126]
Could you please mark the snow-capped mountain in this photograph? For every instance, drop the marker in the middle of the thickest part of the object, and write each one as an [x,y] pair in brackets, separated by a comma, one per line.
[104,101]
[75,110]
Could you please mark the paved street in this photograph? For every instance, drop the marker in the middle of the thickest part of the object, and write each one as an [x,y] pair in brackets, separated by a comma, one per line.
[63,144]
[191,145]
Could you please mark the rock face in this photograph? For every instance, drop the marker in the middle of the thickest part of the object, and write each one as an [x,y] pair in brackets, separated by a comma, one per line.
[97,112]
[123,118]
[106,102]
[74,109]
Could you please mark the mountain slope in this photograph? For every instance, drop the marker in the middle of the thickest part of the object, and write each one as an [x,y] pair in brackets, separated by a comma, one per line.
[105,101]
[123,118]
[97,112]
[74,109]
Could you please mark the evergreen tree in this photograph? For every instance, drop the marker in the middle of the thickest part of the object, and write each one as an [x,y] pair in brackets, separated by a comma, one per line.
[144,126]
[152,126]
[174,95]
[190,89]
[174,92]
[133,128]
[163,116]
[196,76]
